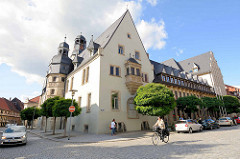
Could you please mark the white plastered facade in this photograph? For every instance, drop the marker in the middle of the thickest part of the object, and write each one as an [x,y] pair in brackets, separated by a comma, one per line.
[101,84]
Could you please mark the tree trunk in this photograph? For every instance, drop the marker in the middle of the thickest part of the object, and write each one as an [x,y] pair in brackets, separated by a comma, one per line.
[54,125]
[41,124]
[46,125]
[65,126]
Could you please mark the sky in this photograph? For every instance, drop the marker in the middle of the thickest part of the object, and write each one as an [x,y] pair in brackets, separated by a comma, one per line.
[31,30]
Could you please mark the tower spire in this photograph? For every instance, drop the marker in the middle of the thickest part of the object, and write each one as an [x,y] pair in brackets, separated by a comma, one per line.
[65,38]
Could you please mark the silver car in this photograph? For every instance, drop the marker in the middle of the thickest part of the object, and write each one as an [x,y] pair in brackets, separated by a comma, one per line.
[187,126]
[14,135]
[225,121]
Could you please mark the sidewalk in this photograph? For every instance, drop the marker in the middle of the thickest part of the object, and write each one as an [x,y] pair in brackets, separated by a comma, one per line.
[79,137]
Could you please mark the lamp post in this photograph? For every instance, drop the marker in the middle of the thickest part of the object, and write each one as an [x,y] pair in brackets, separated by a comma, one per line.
[73,93]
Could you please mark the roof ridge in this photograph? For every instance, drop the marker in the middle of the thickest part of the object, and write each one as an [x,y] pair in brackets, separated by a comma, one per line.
[197,56]
[118,22]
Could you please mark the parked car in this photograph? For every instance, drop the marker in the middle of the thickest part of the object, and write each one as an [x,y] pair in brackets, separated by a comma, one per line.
[187,126]
[9,125]
[14,135]
[237,119]
[225,121]
[210,124]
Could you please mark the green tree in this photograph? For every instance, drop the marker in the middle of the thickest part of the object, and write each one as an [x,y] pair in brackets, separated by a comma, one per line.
[154,100]
[61,109]
[30,113]
[231,103]
[47,110]
[189,104]
[212,104]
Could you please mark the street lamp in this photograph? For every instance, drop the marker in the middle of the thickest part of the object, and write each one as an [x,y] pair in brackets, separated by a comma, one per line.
[73,93]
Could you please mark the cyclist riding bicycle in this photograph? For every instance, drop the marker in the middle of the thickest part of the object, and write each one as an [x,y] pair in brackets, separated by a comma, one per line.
[159,126]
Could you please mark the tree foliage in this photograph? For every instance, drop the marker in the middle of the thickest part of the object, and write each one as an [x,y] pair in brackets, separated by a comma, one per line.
[61,108]
[212,104]
[27,114]
[48,105]
[231,103]
[189,104]
[154,100]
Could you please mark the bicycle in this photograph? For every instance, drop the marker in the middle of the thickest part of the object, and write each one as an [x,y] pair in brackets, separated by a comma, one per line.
[157,136]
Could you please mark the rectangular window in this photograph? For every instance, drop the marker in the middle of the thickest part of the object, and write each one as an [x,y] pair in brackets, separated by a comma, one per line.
[117,71]
[115,100]
[87,77]
[89,103]
[146,78]
[54,79]
[138,72]
[52,91]
[183,94]
[127,71]
[137,55]
[132,70]
[63,79]
[163,78]
[120,49]
[187,94]
[83,76]
[176,95]
[80,101]
[180,94]
[71,87]
[111,70]
[129,36]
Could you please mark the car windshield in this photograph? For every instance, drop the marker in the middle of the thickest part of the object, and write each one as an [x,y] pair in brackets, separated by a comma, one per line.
[223,119]
[181,122]
[15,129]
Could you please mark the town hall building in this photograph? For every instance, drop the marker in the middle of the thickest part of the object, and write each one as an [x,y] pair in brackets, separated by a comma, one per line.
[105,74]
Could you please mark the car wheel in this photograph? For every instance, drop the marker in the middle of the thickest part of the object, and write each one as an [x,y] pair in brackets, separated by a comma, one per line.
[190,131]
[178,132]
[201,129]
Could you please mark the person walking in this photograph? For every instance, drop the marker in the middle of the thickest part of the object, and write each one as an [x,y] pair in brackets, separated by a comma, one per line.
[113,127]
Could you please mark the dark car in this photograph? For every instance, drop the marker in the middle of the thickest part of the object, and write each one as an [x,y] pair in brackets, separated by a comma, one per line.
[210,124]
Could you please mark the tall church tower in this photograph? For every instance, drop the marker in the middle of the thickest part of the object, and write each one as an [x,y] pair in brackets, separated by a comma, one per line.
[59,67]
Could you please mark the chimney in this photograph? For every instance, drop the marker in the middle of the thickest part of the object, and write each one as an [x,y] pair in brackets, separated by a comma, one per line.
[10,99]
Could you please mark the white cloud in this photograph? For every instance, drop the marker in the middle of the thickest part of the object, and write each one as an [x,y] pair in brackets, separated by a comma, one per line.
[152,2]
[24,97]
[152,33]
[32,29]
[179,52]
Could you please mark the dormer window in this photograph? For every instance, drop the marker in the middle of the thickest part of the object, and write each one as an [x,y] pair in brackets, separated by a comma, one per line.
[195,67]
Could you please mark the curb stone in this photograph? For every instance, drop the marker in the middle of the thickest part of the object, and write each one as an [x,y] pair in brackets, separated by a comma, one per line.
[90,142]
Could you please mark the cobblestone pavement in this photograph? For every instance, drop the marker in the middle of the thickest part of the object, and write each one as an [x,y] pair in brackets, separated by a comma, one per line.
[220,143]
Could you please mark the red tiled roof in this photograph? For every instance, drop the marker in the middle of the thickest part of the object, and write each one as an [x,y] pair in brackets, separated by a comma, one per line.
[3,104]
[7,105]
[35,99]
